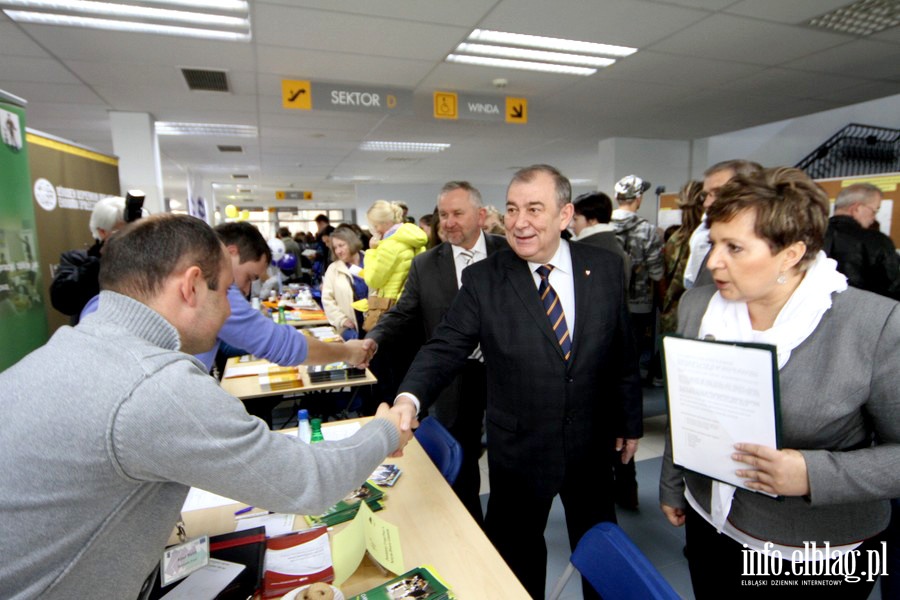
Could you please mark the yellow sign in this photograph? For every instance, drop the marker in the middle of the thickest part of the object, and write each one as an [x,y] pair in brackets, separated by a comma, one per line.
[296,94]
[888,183]
[293,195]
[516,110]
[446,105]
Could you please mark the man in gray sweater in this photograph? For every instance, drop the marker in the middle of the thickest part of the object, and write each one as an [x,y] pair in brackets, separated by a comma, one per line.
[107,425]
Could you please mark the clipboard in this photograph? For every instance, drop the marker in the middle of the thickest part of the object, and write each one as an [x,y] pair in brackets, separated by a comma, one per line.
[719,393]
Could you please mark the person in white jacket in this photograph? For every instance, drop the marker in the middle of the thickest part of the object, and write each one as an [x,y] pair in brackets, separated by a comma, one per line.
[343,284]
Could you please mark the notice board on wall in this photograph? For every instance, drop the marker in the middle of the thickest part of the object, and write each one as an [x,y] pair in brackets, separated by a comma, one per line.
[888,217]
[66,182]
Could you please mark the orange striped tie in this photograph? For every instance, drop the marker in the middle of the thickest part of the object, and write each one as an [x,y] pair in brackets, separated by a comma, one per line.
[554,310]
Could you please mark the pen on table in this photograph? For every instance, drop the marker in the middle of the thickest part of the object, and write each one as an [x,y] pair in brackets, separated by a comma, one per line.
[246,509]
[243,513]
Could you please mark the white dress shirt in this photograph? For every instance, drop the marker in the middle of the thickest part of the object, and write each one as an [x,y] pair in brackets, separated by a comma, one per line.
[699,248]
[563,281]
[461,261]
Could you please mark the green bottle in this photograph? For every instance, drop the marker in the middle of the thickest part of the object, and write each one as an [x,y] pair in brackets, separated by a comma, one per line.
[281,318]
[316,436]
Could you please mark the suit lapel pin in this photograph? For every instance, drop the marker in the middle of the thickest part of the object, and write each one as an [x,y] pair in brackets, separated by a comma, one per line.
[587,273]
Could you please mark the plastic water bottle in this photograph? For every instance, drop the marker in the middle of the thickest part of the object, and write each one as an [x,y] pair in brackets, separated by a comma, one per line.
[316,431]
[304,432]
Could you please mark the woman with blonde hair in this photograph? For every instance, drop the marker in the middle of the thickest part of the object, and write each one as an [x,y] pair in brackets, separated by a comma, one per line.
[392,248]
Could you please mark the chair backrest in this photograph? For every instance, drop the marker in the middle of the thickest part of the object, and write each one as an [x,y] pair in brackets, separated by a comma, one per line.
[441,447]
[616,568]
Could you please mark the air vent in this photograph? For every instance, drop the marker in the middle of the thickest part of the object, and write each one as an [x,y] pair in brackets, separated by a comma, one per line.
[202,80]
[240,176]
[863,17]
[230,148]
[401,159]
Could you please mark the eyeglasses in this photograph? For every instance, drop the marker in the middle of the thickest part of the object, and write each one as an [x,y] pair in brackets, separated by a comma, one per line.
[874,210]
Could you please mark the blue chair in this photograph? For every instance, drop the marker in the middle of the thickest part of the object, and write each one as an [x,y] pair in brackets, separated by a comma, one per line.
[615,567]
[441,447]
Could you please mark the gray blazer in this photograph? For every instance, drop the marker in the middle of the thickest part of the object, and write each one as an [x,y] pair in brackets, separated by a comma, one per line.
[839,390]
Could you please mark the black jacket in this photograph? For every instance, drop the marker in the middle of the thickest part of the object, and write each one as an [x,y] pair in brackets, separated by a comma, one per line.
[76,280]
[866,257]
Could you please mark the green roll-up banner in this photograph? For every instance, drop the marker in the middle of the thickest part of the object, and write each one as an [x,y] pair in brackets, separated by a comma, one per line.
[23,321]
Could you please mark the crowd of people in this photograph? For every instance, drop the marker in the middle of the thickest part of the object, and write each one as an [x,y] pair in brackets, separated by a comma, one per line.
[531,331]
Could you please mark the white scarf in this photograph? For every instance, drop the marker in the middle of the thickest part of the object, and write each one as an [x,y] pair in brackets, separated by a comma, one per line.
[725,320]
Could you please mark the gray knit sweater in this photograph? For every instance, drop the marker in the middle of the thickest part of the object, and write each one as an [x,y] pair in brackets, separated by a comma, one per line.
[103,429]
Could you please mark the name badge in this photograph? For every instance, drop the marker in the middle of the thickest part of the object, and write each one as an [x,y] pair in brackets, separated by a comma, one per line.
[183,559]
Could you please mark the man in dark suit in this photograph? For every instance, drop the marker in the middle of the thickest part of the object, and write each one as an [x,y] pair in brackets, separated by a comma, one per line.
[430,288]
[560,393]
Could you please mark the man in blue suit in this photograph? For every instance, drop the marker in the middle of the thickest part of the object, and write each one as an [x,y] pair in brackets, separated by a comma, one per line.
[563,385]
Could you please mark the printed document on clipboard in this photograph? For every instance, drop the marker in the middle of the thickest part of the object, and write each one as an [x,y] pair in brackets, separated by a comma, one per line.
[719,394]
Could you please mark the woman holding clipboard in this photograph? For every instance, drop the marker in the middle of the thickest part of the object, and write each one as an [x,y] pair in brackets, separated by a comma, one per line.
[838,353]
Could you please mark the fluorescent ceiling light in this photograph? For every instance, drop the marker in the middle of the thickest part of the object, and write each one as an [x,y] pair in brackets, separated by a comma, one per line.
[170,128]
[548,43]
[536,53]
[227,21]
[353,178]
[519,64]
[403,147]
[532,55]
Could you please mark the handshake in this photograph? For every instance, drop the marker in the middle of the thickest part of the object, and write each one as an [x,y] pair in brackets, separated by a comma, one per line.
[360,352]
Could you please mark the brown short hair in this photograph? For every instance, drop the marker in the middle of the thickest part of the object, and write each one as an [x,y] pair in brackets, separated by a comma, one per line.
[250,243]
[789,207]
[737,166]
[139,258]
[563,187]
[346,234]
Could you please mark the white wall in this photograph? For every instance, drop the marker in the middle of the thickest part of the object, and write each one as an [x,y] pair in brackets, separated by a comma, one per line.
[788,142]
[661,162]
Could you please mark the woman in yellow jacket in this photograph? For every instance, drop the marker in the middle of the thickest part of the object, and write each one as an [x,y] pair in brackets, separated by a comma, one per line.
[391,251]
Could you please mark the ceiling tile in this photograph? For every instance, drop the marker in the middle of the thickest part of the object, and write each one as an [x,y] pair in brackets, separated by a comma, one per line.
[340,67]
[795,12]
[460,12]
[353,34]
[622,22]
[862,58]
[748,40]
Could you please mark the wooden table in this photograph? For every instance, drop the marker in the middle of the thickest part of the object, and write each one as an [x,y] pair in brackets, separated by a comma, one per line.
[435,529]
[248,387]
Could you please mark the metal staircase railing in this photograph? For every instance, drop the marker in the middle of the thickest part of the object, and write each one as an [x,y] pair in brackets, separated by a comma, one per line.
[855,150]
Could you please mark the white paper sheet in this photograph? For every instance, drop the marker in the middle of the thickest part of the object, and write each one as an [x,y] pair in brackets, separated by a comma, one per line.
[206,583]
[198,499]
[275,524]
[338,432]
[719,395]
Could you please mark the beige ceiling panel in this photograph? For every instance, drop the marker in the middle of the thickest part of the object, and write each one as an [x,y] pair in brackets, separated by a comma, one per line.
[31,69]
[342,32]
[793,12]
[748,40]
[458,12]
[623,22]
[345,67]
